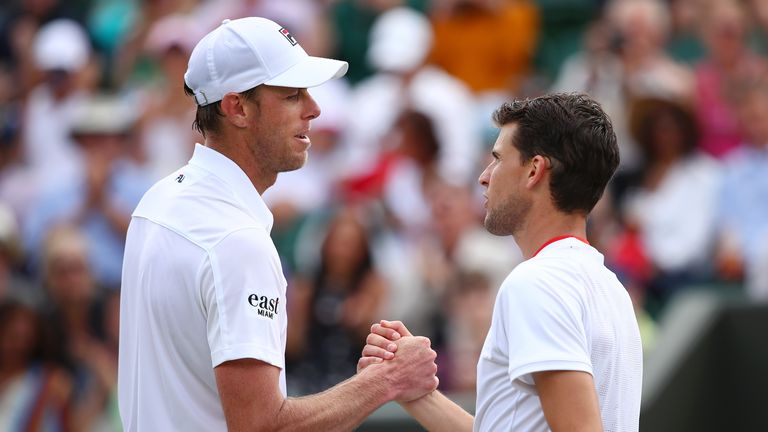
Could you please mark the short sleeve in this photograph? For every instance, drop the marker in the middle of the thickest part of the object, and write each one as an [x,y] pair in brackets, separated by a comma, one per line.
[543,325]
[244,297]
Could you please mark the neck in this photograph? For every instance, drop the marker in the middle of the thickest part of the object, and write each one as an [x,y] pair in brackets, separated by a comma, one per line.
[542,226]
[244,158]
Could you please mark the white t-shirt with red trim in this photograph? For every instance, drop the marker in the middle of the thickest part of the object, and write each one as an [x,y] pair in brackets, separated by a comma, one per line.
[560,310]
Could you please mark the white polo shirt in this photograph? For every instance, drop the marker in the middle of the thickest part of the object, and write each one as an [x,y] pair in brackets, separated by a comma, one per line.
[202,284]
[560,310]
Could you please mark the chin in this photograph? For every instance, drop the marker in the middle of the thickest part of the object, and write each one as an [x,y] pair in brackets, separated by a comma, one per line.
[295,163]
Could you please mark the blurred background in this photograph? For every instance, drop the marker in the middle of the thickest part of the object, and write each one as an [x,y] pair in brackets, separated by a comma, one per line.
[385,221]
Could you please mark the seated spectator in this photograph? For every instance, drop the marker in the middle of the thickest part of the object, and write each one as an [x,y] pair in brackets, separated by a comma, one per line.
[166,136]
[414,172]
[671,201]
[62,53]
[75,324]
[487,44]
[624,59]
[729,63]
[101,197]
[34,393]
[685,44]
[743,208]
[332,307]
[400,41]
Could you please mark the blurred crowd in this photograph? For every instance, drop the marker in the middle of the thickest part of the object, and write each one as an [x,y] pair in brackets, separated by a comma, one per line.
[385,220]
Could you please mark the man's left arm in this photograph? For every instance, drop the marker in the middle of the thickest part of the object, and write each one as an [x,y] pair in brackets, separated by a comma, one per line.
[569,400]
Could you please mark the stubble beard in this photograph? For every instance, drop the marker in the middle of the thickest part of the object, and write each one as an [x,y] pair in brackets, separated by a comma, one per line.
[508,217]
[277,157]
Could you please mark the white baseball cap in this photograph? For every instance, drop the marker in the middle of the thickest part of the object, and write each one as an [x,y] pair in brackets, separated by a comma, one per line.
[244,53]
[61,44]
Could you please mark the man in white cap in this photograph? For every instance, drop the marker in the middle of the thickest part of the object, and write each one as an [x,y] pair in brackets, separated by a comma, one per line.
[203,306]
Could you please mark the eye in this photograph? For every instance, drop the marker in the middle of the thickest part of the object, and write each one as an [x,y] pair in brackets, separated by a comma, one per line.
[294,96]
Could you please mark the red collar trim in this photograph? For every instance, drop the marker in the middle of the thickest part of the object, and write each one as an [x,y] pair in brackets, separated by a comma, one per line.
[558,238]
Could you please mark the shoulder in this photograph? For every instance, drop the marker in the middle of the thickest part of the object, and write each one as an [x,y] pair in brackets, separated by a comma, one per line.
[197,205]
[537,277]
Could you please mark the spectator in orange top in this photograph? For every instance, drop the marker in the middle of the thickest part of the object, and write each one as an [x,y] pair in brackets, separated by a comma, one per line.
[488,44]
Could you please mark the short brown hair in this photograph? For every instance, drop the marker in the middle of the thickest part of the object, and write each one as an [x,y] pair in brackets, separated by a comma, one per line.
[207,117]
[573,132]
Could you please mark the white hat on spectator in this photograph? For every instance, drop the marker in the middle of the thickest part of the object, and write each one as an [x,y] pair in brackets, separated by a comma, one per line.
[244,53]
[400,40]
[61,45]
[103,114]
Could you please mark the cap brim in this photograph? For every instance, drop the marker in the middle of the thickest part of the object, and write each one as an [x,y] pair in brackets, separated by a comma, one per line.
[310,72]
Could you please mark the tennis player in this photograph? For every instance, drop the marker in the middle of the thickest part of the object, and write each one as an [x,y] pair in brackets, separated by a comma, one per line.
[203,316]
[563,352]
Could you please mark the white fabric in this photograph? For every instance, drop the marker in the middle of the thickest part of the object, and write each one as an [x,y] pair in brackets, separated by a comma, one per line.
[560,310]
[50,151]
[377,101]
[202,285]
[677,219]
[244,53]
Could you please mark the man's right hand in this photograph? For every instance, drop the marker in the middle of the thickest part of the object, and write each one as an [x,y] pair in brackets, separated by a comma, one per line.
[412,370]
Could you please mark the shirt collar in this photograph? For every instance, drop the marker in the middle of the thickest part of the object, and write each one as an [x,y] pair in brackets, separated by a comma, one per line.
[566,242]
[228,171]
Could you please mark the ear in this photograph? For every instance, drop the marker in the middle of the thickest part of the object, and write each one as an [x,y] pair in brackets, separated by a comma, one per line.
[234,110]
[537,171]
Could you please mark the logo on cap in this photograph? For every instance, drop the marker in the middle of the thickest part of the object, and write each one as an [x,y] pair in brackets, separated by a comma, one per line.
[284,31]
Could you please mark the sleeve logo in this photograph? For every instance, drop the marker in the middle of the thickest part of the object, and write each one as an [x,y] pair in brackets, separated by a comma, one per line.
[265,306]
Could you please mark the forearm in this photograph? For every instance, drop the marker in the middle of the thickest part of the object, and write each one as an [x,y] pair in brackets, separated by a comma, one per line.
[437,413]
[341,408]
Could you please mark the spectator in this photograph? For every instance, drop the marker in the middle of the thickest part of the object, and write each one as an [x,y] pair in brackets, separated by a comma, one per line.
[34,393]
[400,41]
[488,44]
[100,198]
[167,140]
[671,200]
[74,322]
[352,21]
[62,52]
[729,63]
[18,186]
[18,27]
[684,43]
[743,208]
[415,172]
[333,307]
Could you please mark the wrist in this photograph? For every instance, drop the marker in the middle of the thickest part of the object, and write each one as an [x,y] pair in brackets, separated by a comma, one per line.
[424,399]
[380,377]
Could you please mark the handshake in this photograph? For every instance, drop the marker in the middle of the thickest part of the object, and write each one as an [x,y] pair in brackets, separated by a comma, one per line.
[407,361]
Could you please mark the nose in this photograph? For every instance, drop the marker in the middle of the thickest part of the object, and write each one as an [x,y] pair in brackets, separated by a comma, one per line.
[312,109]
[485,177]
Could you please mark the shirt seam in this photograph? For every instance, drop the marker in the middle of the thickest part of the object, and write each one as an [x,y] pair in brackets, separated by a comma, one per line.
[195,242]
